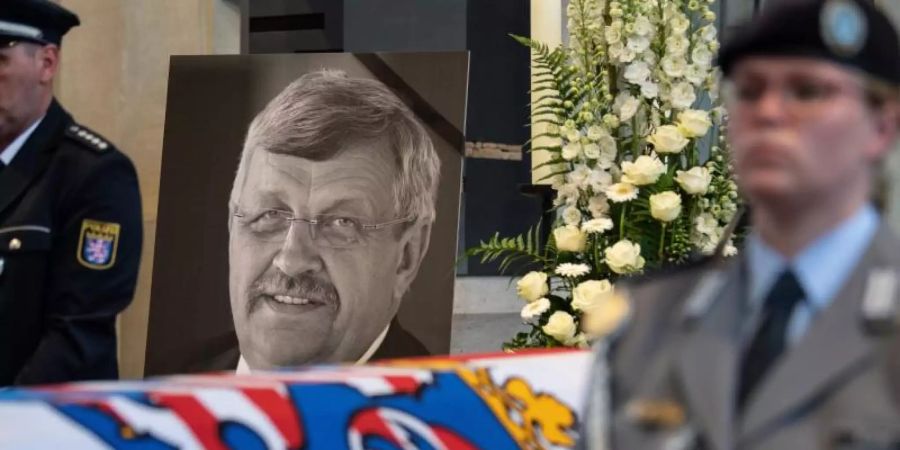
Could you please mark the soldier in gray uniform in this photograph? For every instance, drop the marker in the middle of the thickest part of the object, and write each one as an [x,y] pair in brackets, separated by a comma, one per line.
[794,343]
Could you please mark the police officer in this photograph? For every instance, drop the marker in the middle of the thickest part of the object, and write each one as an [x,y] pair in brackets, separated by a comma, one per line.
[70,215]
[787,346]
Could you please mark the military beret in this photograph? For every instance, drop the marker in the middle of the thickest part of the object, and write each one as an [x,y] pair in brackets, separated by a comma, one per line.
[854,33]
[40,21]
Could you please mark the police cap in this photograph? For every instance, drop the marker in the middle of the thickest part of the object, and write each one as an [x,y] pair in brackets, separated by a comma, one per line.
[854,33]
[40,21]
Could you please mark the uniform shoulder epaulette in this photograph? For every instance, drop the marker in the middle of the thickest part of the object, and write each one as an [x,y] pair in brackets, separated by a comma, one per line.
[87,138]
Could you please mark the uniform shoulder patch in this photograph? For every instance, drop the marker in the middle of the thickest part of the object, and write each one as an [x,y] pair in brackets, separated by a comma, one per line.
[98,244]
[87,138]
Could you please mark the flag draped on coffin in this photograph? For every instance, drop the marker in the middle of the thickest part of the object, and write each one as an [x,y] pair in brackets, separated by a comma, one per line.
[487,402]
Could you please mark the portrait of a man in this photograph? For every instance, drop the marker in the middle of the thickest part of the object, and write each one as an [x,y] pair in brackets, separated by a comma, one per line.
[308,210]
[331,214]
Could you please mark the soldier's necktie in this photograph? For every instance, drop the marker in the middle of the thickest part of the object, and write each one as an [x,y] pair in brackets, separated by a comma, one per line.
[769,341]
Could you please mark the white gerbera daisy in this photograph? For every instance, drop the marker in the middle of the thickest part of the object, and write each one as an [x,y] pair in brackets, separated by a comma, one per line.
[600,225]
[532,312]
[621,192]
[572,270]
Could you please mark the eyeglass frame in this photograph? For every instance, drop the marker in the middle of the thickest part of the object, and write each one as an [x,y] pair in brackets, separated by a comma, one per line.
[289,217]
[835,89]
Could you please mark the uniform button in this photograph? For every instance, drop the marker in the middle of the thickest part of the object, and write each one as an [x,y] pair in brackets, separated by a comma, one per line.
[15,244]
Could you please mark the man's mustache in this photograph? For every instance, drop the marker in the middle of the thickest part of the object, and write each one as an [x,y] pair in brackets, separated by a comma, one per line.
[301,286]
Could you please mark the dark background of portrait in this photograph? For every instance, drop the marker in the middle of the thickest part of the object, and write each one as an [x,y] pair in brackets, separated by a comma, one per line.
[211,101]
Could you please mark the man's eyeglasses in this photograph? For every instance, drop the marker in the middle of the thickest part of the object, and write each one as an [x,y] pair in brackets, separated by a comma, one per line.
[802,97]
[329,231]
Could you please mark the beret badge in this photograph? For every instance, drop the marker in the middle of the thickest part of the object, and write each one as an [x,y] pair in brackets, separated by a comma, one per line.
[844,28]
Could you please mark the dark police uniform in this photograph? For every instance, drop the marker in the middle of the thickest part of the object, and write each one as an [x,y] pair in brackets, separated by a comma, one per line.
[70,235]
[676,371]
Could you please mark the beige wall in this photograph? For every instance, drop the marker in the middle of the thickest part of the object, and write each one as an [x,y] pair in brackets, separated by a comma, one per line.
[113,79]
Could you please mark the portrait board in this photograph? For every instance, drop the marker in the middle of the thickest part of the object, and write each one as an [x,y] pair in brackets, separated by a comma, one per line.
[211,103]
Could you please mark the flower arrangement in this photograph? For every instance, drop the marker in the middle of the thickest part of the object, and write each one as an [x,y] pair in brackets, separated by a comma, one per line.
[619,111]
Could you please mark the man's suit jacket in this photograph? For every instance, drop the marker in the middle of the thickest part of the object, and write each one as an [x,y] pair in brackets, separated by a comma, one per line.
[224,352]
[836,388]
[70,245]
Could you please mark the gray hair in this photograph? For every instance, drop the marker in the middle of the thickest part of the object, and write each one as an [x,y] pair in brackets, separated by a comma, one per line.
[321,111]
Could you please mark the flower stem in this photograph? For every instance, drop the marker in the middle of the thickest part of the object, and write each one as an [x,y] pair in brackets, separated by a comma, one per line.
[622,221]
[635,143]
[662,242]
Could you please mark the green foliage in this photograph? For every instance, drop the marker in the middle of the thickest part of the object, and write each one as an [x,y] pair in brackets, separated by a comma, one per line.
[524,247]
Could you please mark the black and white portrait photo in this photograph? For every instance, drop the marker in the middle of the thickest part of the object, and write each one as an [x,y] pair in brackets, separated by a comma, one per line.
[342,202]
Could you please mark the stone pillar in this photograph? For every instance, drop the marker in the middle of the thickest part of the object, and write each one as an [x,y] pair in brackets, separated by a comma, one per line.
[113,79]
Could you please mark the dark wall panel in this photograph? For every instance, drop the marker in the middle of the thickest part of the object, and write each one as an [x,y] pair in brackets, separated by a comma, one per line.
[497,112]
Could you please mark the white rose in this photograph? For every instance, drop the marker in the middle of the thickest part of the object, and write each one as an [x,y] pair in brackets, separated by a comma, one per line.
[637,72]
[600,225]
[600,180]
[532,286]
[638,43]
[702,56]
[598,206]
[665,206]
[624,257]
[674,65]
[643,171]
[695,181]
[606,317]
[694,123]
[571,151]
[570,239]
[650,90]
[626,106]
[589,294]
[642,26]
[668,139]
[683,95]
[571,216]
[561,326]
[532,312]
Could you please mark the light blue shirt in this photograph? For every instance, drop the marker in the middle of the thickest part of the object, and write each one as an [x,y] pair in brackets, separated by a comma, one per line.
[11,150]
[822,268]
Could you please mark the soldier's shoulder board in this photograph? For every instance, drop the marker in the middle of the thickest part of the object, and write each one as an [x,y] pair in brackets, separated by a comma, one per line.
[87,138]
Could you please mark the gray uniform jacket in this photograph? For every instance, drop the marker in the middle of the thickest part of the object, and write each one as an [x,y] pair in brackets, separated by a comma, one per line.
[674,370]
